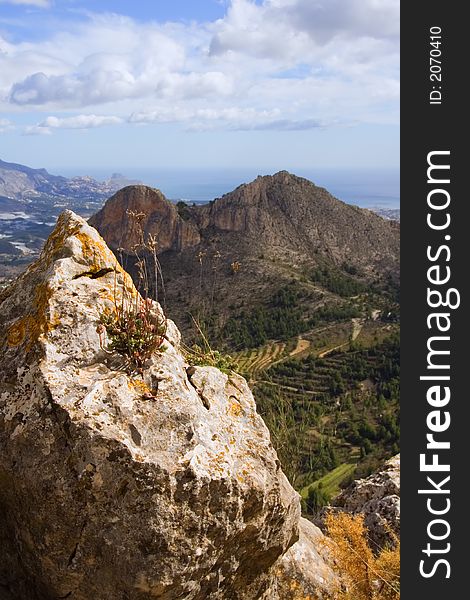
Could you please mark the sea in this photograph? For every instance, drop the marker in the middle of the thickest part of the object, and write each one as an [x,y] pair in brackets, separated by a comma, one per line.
[367,188]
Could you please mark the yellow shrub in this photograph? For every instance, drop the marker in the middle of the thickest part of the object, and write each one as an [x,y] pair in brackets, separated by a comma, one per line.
[368,576]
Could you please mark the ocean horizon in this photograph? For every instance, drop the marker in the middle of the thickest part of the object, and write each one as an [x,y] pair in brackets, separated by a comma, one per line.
[366,188]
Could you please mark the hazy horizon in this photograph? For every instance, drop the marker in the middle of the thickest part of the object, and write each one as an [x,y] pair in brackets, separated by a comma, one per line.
[364,187]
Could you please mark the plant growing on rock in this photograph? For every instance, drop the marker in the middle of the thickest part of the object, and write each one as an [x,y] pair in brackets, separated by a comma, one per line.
[204,355]
[135,328]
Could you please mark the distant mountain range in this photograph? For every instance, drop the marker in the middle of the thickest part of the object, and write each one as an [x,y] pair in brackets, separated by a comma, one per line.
[393,214]
[280,214]
[18,182]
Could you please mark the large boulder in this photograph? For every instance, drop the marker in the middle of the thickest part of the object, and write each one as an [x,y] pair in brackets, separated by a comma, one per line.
[304,571]
[121,483]
[377,497]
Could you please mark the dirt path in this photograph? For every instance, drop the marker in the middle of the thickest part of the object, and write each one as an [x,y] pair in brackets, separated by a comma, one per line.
[302,345]
[285,387]
[357,325]
[330,350]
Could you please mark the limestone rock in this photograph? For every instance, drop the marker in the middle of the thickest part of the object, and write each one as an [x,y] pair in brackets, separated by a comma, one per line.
[378,498]
[162,484]
[304,571]
[160,219]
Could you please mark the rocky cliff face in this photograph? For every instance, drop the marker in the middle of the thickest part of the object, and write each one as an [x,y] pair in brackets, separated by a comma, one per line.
[378,498]
[117,221]
[115,485]
[287,212]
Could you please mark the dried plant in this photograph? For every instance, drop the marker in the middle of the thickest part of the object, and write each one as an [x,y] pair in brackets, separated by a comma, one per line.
[369,575]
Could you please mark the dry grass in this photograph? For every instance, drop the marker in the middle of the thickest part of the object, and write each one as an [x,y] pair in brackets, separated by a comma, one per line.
[369,576]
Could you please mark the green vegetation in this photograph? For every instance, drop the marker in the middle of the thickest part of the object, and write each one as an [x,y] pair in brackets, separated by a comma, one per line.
[317,498]
[285,316]
[252,361]
[333,412]
[288,424]
[330,484]
[202,354]
[184,210]
[337,282]
[197,356]
[281,319]
[335,312]
[133,330]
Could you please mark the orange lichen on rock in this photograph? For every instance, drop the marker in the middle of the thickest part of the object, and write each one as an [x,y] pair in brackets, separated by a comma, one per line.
[55,242]
[37,323]
[16,333]
[93,251]
[99,256]
[236,409]
[140,386]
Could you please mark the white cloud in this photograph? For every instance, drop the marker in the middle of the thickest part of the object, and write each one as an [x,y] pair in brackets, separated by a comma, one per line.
[101,60]
[204,119]
[324,20]
[6,125]
[279,28]
[76,122]
[37,130]
[80,122]
[233,118]
[285,64]
[195,85]
[38,3]
[288,125]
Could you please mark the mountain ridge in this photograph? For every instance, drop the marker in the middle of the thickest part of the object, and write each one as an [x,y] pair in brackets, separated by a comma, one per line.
[273,232]
[18,181]
[272,210]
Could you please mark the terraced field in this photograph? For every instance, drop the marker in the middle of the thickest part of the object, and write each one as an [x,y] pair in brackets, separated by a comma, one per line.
[331,482]
[339,409]
[320,342]
[323,339]
[304,378]
[259,359]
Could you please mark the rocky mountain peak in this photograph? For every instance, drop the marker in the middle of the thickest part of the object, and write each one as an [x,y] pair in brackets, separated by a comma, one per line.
[156,484]
[282,214]
[117,222]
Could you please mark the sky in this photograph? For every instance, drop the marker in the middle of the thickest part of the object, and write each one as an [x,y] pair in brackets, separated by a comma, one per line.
[271,84]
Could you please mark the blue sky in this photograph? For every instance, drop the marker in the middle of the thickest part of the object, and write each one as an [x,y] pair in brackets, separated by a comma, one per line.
[216,84]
